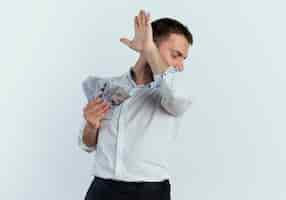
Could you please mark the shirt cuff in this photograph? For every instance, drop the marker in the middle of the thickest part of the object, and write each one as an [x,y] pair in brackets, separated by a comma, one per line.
[81,144]
[174,95]
[162,75]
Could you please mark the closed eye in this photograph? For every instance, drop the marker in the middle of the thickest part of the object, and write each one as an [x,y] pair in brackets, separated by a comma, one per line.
[178,53]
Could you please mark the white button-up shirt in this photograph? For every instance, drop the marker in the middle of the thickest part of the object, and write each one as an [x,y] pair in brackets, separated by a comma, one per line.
[136,135]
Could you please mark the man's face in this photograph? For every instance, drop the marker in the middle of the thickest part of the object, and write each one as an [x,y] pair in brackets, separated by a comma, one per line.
[174,50]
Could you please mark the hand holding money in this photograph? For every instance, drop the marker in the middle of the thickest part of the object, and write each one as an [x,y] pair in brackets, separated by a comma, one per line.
[95,111]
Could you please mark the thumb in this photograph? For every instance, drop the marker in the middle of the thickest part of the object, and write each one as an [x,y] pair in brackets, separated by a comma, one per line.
[125,41]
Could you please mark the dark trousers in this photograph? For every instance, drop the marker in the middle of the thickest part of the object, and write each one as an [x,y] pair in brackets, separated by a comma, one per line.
[107,189]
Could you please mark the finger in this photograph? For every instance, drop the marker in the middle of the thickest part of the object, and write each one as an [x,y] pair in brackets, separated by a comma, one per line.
[91,116]
[103,110]
[100,116]
[97,114]
[143,19]
[148,18]
[125,41]
[103,106]
[136,23]
[96,107]
[99,107]
[93,103]
[97,124]
[140,18]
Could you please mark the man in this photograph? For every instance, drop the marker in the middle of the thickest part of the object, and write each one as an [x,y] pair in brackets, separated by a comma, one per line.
[130,120]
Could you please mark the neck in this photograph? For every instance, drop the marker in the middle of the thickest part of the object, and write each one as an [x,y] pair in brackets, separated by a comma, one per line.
[142,71]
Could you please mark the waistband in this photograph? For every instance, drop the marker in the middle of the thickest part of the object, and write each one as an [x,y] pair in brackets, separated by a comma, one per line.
[133,184]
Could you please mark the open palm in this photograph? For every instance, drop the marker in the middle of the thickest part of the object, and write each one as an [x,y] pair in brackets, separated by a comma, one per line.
[143,37]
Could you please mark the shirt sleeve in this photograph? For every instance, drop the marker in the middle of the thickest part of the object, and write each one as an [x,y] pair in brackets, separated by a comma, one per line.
[175,98]
[81,144]
[91,87]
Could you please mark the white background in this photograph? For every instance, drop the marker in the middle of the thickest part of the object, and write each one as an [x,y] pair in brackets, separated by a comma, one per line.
[232,142]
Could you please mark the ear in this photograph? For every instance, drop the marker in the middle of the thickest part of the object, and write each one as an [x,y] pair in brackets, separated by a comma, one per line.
[156,41]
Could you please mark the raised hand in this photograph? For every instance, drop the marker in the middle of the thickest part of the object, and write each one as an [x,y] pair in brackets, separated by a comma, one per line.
[143,38]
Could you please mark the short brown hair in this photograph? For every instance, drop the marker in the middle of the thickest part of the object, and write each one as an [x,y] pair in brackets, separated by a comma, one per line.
[163,27]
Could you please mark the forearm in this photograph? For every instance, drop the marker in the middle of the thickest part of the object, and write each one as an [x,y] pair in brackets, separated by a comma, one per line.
[90,135]
[154,59]
[174,98]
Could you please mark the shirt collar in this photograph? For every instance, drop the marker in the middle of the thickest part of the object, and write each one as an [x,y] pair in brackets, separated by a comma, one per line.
[129,76]
[156,78]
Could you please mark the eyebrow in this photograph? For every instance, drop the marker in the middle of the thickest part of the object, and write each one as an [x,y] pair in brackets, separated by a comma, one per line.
[180,53]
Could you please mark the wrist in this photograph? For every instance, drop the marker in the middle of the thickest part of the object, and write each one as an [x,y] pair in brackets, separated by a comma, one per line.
[90,126]
[149,48]
[154,59]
